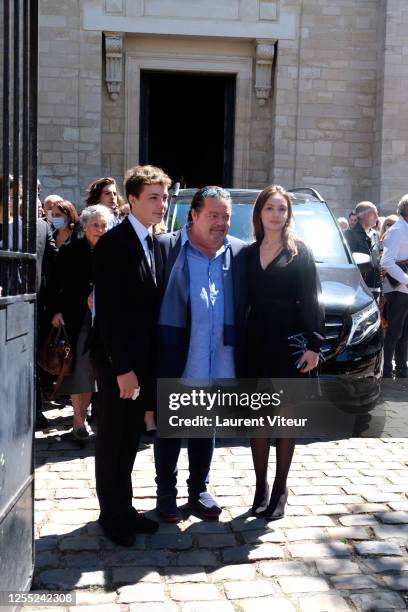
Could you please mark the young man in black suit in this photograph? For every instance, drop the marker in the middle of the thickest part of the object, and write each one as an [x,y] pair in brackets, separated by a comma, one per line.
[128,285]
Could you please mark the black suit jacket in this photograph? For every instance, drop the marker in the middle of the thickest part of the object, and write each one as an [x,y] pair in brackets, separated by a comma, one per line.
[47,252]
[360,242]
[126,303]
[171,365]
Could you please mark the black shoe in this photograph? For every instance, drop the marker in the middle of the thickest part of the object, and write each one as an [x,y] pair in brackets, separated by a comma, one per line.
[80,435]
[261,499]
[41,421]
[118,534]
[276,507]
[139,523]
[151,435]
[205,505]
[166,508]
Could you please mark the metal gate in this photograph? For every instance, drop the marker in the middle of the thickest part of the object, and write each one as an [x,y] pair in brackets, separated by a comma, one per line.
[18,220]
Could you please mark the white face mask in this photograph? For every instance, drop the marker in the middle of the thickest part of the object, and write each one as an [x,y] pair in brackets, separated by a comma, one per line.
[59,223]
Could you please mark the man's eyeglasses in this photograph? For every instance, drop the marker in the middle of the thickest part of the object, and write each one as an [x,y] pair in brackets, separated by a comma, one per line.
[215,192]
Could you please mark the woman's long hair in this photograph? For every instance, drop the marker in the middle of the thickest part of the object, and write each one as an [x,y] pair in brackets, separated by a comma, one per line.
[387,223]
[288,234]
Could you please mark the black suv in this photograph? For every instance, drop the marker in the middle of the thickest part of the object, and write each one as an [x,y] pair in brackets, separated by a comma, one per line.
[354,339]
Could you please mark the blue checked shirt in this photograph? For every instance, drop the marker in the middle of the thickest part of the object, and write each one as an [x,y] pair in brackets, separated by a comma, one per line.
[208,358]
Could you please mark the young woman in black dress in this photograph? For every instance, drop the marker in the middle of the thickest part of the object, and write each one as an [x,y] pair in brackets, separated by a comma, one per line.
[284,300]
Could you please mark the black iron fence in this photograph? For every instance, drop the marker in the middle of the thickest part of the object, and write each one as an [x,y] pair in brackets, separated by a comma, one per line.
[18,204]
[18,237]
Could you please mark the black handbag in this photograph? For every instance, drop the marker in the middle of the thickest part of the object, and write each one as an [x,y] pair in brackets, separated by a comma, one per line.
[56,355]
[298,346]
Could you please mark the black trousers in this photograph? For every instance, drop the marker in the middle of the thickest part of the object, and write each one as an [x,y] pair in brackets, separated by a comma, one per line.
[120,424]
[396,337]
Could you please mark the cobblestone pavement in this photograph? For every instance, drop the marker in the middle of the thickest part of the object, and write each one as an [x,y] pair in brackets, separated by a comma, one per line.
[342,545]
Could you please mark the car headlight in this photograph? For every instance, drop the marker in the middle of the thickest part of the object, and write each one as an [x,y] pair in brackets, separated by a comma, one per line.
[364,323]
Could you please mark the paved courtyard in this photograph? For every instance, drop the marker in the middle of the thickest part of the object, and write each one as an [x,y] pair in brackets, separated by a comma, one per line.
[342,545]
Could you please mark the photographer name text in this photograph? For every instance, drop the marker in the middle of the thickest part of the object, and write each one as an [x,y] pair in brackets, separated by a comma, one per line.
[217,421]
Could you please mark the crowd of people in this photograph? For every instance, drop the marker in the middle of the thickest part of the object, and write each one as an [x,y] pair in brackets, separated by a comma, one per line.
[386,245]
[66,287]
[139,304]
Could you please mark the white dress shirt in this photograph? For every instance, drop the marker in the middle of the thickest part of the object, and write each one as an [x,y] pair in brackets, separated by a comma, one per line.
[142,233]
[396,249]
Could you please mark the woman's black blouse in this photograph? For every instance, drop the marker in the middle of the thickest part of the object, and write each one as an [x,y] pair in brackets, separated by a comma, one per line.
[283,301]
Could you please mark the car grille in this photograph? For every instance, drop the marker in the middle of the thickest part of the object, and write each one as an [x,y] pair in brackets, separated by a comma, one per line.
[333,328]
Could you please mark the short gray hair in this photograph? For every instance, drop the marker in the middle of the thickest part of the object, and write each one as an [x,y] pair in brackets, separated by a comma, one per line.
[97,210]
[402,208]
[363,207]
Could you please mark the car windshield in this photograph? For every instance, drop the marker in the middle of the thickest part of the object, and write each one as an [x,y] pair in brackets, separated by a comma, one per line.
[313,224]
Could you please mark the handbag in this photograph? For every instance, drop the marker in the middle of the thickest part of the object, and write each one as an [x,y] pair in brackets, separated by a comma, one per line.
[298,346]
[56,355]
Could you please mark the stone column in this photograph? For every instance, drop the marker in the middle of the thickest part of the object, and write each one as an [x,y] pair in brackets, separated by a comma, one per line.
[392,116]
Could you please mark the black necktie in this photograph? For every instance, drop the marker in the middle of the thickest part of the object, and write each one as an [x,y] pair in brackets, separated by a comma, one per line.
[149,241]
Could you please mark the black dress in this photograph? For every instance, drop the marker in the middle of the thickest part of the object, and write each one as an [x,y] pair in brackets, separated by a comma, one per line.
[283,300]
[71,287]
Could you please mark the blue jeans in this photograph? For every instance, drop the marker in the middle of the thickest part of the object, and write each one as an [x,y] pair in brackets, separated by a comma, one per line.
[166,454]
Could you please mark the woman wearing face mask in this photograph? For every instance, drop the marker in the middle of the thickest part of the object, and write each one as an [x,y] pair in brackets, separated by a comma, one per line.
[71,290]
[63,217]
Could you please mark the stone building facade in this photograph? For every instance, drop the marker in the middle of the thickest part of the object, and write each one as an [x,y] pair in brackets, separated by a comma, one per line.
[320,89]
